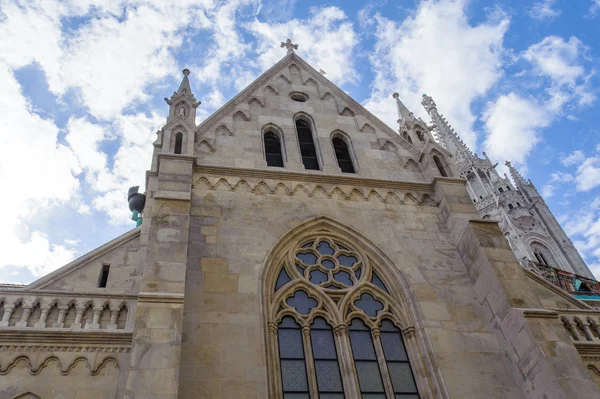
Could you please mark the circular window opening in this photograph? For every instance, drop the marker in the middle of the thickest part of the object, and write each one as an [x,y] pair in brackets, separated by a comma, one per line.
[299,97]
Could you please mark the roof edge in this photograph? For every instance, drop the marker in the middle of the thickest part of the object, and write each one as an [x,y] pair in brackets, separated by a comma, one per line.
[79,262]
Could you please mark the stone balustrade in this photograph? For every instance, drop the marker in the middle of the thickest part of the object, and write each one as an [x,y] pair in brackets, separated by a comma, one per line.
[67,311]
[582,326]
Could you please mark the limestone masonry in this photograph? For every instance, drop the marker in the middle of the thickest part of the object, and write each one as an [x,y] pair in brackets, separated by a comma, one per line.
[294,246]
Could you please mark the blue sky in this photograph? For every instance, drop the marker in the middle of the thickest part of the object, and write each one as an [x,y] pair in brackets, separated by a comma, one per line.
[84,81]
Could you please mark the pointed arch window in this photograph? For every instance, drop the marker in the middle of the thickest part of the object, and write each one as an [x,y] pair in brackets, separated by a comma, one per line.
[308,151]
[273,153]
[178,142]
[342,153]
[327,299]
[440,167]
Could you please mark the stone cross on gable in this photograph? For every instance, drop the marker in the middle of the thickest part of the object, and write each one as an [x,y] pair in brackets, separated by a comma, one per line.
[289,46]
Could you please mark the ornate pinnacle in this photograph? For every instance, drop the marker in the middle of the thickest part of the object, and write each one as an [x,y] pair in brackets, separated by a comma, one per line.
[186,72]
[517,177]
[289,46]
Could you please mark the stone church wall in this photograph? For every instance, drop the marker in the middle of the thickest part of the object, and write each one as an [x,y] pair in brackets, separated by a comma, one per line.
[233,229]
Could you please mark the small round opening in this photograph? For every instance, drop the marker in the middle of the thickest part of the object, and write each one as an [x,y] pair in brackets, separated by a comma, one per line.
[299,97]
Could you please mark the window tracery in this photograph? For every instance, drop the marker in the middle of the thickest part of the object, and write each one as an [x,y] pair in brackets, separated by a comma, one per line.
[335,328]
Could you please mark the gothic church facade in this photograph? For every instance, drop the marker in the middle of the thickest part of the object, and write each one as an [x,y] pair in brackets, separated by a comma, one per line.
[294,246]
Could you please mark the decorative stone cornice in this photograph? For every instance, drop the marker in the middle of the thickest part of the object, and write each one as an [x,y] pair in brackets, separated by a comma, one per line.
[64,337]
[160,297]
[220,171]
[588,350]
[540,314]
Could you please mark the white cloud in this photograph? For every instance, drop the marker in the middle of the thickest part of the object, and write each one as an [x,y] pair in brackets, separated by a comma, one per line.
[557,59]
[512,123]
[573,158]
[543,10]
[38,173]
[588,174]
[562,177]
[594,9]
[438,52]
[548,190]
[135,134]
[326,40]
[584,228]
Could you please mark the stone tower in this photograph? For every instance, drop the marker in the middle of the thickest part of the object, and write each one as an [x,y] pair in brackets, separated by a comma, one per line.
[295,246]
[534,234]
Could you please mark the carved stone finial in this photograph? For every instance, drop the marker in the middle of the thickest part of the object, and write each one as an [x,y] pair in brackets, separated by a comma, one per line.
[186,72]
[396,95]
[289,46]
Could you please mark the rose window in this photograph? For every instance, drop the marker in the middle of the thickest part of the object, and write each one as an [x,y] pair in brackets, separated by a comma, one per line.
[328,264]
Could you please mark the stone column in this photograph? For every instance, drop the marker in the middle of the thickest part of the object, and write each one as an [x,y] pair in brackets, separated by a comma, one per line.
[25,316]
[43,317]
[310,363]
[349,379]
[78,316]
[62,312]
[274,378]
[8,310]
[114,314]
[156,349]
[96,319]
[385,375]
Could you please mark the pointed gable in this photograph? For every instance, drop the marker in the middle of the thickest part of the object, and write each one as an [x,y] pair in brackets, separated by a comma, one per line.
[293,89]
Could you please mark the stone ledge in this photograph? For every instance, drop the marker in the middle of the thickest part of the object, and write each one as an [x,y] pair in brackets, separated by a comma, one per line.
[160,297]
[539,314]
[173,195]
[221,171]
[588,350]
[27,337]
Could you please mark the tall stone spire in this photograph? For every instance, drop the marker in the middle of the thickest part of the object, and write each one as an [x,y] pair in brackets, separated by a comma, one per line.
[183,103]
[403,112]
[405,117]
[185,83]
[446,133]
[517,177]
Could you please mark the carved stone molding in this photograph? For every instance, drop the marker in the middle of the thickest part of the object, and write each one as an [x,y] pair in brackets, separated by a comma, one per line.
[291,189]
[341,330]
[65,338]
[409,332]
[61,368]
[65,348]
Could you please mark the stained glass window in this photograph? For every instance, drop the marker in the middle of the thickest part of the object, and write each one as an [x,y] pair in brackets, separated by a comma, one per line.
[365,359]
[291,358]
[342,153]
[328,273]
[396,359]
[327,370]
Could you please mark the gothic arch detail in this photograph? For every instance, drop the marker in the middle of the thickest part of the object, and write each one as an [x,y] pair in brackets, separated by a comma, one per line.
[324,276]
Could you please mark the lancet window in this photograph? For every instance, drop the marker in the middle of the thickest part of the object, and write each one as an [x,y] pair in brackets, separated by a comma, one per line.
[178,143]
[440,167]
[273,153]
[342,153]
[308,151]
[334,327]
